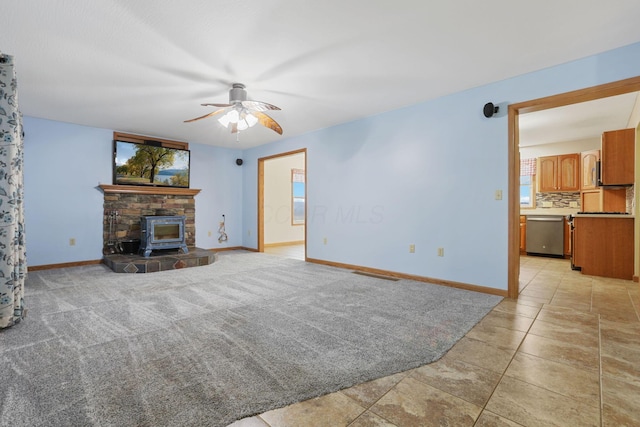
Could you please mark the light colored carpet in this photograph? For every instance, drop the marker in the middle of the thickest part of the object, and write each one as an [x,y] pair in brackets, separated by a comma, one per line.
[209,345]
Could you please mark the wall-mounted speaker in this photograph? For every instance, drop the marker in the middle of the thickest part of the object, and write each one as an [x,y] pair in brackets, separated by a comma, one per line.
[239,162]
[490,109]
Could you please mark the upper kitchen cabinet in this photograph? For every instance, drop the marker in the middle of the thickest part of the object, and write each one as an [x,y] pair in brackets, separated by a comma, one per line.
[589,163]
[559,173]
[617,157]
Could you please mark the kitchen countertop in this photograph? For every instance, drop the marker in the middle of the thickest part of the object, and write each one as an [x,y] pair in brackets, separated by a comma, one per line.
[550,211]
[604,216]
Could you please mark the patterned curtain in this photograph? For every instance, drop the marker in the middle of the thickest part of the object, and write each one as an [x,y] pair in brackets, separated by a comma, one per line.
[297,175]
[527,167]
[13,265]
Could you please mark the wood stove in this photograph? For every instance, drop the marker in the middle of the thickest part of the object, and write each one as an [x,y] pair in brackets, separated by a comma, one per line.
[162,232]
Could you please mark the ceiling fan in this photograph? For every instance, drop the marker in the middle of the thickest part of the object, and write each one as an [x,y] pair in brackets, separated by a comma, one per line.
[240,114]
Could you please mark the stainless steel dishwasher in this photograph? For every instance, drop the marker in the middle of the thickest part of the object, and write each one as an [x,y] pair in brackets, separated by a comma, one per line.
[545,235]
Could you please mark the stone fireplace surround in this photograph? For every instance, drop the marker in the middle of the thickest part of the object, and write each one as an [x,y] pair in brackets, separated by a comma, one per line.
[132,202]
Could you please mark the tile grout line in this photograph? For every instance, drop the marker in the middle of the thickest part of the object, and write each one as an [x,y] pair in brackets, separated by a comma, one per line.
[484,407]
[368,408]
[600,370]
[633,304]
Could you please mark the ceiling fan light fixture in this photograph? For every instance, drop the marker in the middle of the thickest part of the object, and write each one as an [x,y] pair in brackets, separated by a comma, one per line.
[242,125]
[230,117]
[251,119]
[242,114]
[224,120]
[234,116]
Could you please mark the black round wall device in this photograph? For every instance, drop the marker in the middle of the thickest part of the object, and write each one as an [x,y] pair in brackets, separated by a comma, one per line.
[239,162]
[490,109]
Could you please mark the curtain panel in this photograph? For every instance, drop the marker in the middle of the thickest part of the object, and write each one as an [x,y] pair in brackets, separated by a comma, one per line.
[297,175]
[527,167]
[12,249]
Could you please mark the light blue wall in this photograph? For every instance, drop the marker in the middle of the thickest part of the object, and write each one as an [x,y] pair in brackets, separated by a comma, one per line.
[424,175]
[214,170]
[65,163]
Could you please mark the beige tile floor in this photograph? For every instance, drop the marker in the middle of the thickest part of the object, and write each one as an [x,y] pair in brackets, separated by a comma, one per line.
[566,353]
[289,251]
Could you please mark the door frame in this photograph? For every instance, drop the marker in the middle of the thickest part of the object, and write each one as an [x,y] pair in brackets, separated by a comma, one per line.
[260,227]
[574,97]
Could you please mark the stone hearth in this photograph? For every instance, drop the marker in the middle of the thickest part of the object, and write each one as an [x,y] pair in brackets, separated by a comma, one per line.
[161,260]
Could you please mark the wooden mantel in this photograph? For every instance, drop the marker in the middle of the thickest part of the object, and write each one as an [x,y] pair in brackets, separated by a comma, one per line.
[142,189]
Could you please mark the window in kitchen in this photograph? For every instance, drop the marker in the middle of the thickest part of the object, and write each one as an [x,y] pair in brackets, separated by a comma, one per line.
[297,196]
[527,183]
[527,193]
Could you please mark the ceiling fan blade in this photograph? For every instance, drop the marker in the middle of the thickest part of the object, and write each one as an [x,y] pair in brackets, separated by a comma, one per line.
[268,122]
[216,105]
[259,106]
[205,116]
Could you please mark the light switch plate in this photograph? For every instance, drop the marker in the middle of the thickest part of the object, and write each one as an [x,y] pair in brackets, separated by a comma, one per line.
[547,204]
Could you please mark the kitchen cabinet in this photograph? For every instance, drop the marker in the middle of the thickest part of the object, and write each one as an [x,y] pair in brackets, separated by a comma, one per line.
[617,157]
[591,201]
[604,245]
[559,173]
[588,163]
[523,233]
[604,200]
[614,199]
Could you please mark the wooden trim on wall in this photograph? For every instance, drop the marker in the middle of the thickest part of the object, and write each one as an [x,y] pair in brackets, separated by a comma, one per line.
[260,225]
[513,233]
[273,245]
[379,272]
[232,248]
[63,265]
[143,189]
[140,139]
[568,98]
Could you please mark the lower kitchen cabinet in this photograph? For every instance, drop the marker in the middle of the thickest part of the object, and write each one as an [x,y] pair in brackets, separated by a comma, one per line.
[604,245]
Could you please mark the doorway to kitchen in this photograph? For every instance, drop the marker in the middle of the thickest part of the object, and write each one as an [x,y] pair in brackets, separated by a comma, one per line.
[554,101]
[282,195]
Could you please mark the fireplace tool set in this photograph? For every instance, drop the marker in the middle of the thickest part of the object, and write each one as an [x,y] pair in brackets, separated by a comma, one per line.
[113,244]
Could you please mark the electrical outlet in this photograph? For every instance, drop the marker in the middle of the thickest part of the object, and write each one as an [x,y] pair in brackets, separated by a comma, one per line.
[412,249]
[209,233]
[440,251]
[72,241]
[324,240]
[249,233]
[547,204]
[498,194]
[573,204]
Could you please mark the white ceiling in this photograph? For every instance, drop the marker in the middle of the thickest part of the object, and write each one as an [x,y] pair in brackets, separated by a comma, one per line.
[586,120]
[144,66]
